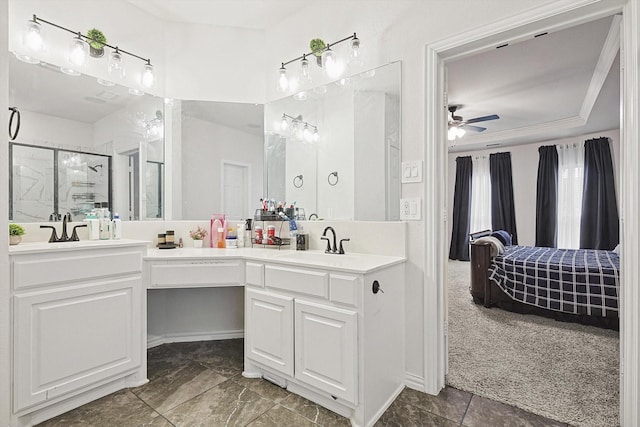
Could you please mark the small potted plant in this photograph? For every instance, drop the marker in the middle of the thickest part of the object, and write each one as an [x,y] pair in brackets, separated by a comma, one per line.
[317,47]
[198,236]
[15,233]
[97,40]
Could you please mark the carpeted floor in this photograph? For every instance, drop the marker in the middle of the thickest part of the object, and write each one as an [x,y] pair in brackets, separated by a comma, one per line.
[564,371]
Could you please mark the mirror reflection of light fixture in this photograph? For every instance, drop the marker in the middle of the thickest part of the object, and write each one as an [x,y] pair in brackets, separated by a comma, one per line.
[77,56]
[333,66]
[154,128]
[299,129]
[33,42]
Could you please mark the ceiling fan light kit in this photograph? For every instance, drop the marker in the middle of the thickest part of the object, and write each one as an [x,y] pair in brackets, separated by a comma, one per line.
[458,125]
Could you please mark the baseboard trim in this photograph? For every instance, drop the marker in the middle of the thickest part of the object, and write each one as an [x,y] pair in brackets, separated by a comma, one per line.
[156,340]
[413,381]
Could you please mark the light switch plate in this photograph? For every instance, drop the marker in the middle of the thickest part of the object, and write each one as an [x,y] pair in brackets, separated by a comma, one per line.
[412,171]
[410,208]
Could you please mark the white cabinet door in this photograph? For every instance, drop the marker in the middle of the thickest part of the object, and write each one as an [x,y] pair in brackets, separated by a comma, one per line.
[269,330]
[326,349]
[73,336]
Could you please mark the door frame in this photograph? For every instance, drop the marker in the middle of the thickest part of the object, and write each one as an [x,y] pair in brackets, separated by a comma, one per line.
[554,16]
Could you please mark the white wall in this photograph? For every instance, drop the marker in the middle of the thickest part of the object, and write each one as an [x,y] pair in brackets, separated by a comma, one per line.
[204,146]
[51,131]
[524,165]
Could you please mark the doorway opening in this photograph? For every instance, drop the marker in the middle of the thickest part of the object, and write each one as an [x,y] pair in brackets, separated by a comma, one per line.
[550,17]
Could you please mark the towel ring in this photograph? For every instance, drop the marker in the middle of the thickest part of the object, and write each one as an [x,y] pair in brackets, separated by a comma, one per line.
[298,181]
[335,173]
[14,112]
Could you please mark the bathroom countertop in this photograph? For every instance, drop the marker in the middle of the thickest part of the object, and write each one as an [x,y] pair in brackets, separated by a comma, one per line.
[43,247]
[350,262]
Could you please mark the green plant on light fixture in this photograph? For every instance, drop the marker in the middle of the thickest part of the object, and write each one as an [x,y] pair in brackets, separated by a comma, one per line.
[97,40]
[317,47]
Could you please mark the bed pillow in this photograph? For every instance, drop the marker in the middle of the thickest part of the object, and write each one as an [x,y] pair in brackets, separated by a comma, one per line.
[617,248]
[496,245]
[503,236]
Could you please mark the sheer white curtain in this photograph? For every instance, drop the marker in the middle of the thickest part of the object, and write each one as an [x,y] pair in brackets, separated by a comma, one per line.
[570,182]
[480,195]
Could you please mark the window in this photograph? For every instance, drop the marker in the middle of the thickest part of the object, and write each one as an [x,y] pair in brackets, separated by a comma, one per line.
[480,195]
[570,183]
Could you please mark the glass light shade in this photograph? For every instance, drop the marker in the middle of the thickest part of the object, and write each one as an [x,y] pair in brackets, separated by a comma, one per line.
[305,72]
[147,79]
[306,134]
[451,133]
[115,67]
[283,80]
[295,128]
[316,135]
[33,40]
[331,66]
[461,132]
[284,124]
[300,96]
[355,56]
[78,53]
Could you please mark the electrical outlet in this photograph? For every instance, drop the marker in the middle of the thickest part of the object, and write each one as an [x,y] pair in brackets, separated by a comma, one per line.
[410,208]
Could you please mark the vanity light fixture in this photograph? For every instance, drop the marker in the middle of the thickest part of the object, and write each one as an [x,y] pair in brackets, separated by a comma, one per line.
[300,129]
[333,66]
[33,42]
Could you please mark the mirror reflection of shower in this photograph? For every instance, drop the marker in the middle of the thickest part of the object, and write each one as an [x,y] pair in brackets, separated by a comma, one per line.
[155,127]
[95,168]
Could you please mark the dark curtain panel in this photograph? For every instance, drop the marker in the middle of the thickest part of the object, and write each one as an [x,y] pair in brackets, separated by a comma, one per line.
[503,213]
[599,228]
[547,197]
[459,248]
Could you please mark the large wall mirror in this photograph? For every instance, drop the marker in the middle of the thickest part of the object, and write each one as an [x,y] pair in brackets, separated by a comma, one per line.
[350,168]
[83,144]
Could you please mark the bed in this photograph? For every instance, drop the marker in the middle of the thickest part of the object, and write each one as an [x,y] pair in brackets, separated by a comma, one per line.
[565,284]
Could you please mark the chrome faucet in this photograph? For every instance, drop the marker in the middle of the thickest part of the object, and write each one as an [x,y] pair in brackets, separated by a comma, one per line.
[333,249]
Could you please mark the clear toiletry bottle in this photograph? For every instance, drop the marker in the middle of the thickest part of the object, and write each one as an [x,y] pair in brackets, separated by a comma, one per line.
[105,225]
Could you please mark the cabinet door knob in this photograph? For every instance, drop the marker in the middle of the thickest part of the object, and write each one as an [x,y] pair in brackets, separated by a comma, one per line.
[375,288]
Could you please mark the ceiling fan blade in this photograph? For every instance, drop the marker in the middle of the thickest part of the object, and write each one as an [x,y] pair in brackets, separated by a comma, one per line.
[474,128]
[483,119]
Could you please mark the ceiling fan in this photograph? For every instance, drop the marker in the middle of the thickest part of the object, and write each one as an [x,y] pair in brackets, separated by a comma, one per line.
[458,125]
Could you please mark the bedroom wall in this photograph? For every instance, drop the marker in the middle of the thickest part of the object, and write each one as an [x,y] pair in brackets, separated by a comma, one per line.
[524,164]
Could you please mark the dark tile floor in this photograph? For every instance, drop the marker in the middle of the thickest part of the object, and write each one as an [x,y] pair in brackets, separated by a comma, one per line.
[200,384]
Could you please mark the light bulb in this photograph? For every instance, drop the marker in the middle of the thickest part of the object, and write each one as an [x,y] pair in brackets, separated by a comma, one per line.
[461,132]
[147,79]
[33,39]
[284,124]
[451,133]
[355,56]
[316,135]
[305,73]
[78,52]
[332,67]
[115,67]
[306,134]
[283,80]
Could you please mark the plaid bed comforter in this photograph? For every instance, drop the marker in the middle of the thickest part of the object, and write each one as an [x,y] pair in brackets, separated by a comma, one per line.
[581,281]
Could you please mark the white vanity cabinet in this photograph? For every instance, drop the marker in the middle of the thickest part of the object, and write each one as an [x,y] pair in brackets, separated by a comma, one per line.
[324,334]
[77,326]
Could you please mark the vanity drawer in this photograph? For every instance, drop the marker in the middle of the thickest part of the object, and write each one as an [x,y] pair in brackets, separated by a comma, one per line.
[69,267]
[202,274]
[254,274]
[343,289]
[297,280]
